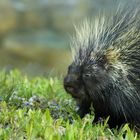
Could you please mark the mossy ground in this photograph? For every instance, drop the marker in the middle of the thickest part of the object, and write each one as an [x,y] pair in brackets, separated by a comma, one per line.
[39,109]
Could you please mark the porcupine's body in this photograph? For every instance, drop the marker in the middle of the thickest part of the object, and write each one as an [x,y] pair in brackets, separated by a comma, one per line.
[105,71]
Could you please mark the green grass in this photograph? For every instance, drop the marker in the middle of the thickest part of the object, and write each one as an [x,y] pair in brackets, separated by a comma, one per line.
[39,109]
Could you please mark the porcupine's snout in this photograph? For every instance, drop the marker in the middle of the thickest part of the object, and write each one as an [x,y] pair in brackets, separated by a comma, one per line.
[71,84]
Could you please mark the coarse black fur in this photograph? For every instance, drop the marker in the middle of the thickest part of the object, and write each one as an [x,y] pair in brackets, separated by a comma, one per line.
[105,71]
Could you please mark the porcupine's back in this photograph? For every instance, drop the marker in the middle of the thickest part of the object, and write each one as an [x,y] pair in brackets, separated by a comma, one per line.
[107,54]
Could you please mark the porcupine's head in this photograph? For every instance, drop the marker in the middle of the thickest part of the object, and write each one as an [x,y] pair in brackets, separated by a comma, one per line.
[106,54]
[87,72]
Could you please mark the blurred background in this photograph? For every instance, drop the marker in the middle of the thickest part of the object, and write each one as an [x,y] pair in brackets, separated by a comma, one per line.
[35,34]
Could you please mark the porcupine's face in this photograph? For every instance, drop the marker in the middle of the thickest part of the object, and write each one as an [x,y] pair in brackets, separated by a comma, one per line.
[73,82]
[85,80]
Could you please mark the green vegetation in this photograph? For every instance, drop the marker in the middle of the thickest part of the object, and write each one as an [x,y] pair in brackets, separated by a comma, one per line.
[39,109]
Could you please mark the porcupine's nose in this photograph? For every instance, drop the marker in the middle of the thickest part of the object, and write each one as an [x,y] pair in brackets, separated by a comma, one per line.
[71,84]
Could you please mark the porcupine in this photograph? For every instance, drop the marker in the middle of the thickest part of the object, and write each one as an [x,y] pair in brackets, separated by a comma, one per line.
[105,71]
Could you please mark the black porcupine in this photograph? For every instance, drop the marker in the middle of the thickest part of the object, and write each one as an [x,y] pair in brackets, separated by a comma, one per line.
[105,71]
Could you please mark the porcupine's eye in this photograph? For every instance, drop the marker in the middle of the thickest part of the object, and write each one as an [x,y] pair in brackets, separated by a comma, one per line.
[86,75]
[90,72]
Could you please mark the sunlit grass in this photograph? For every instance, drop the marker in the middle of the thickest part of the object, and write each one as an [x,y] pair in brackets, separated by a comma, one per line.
[39,109]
